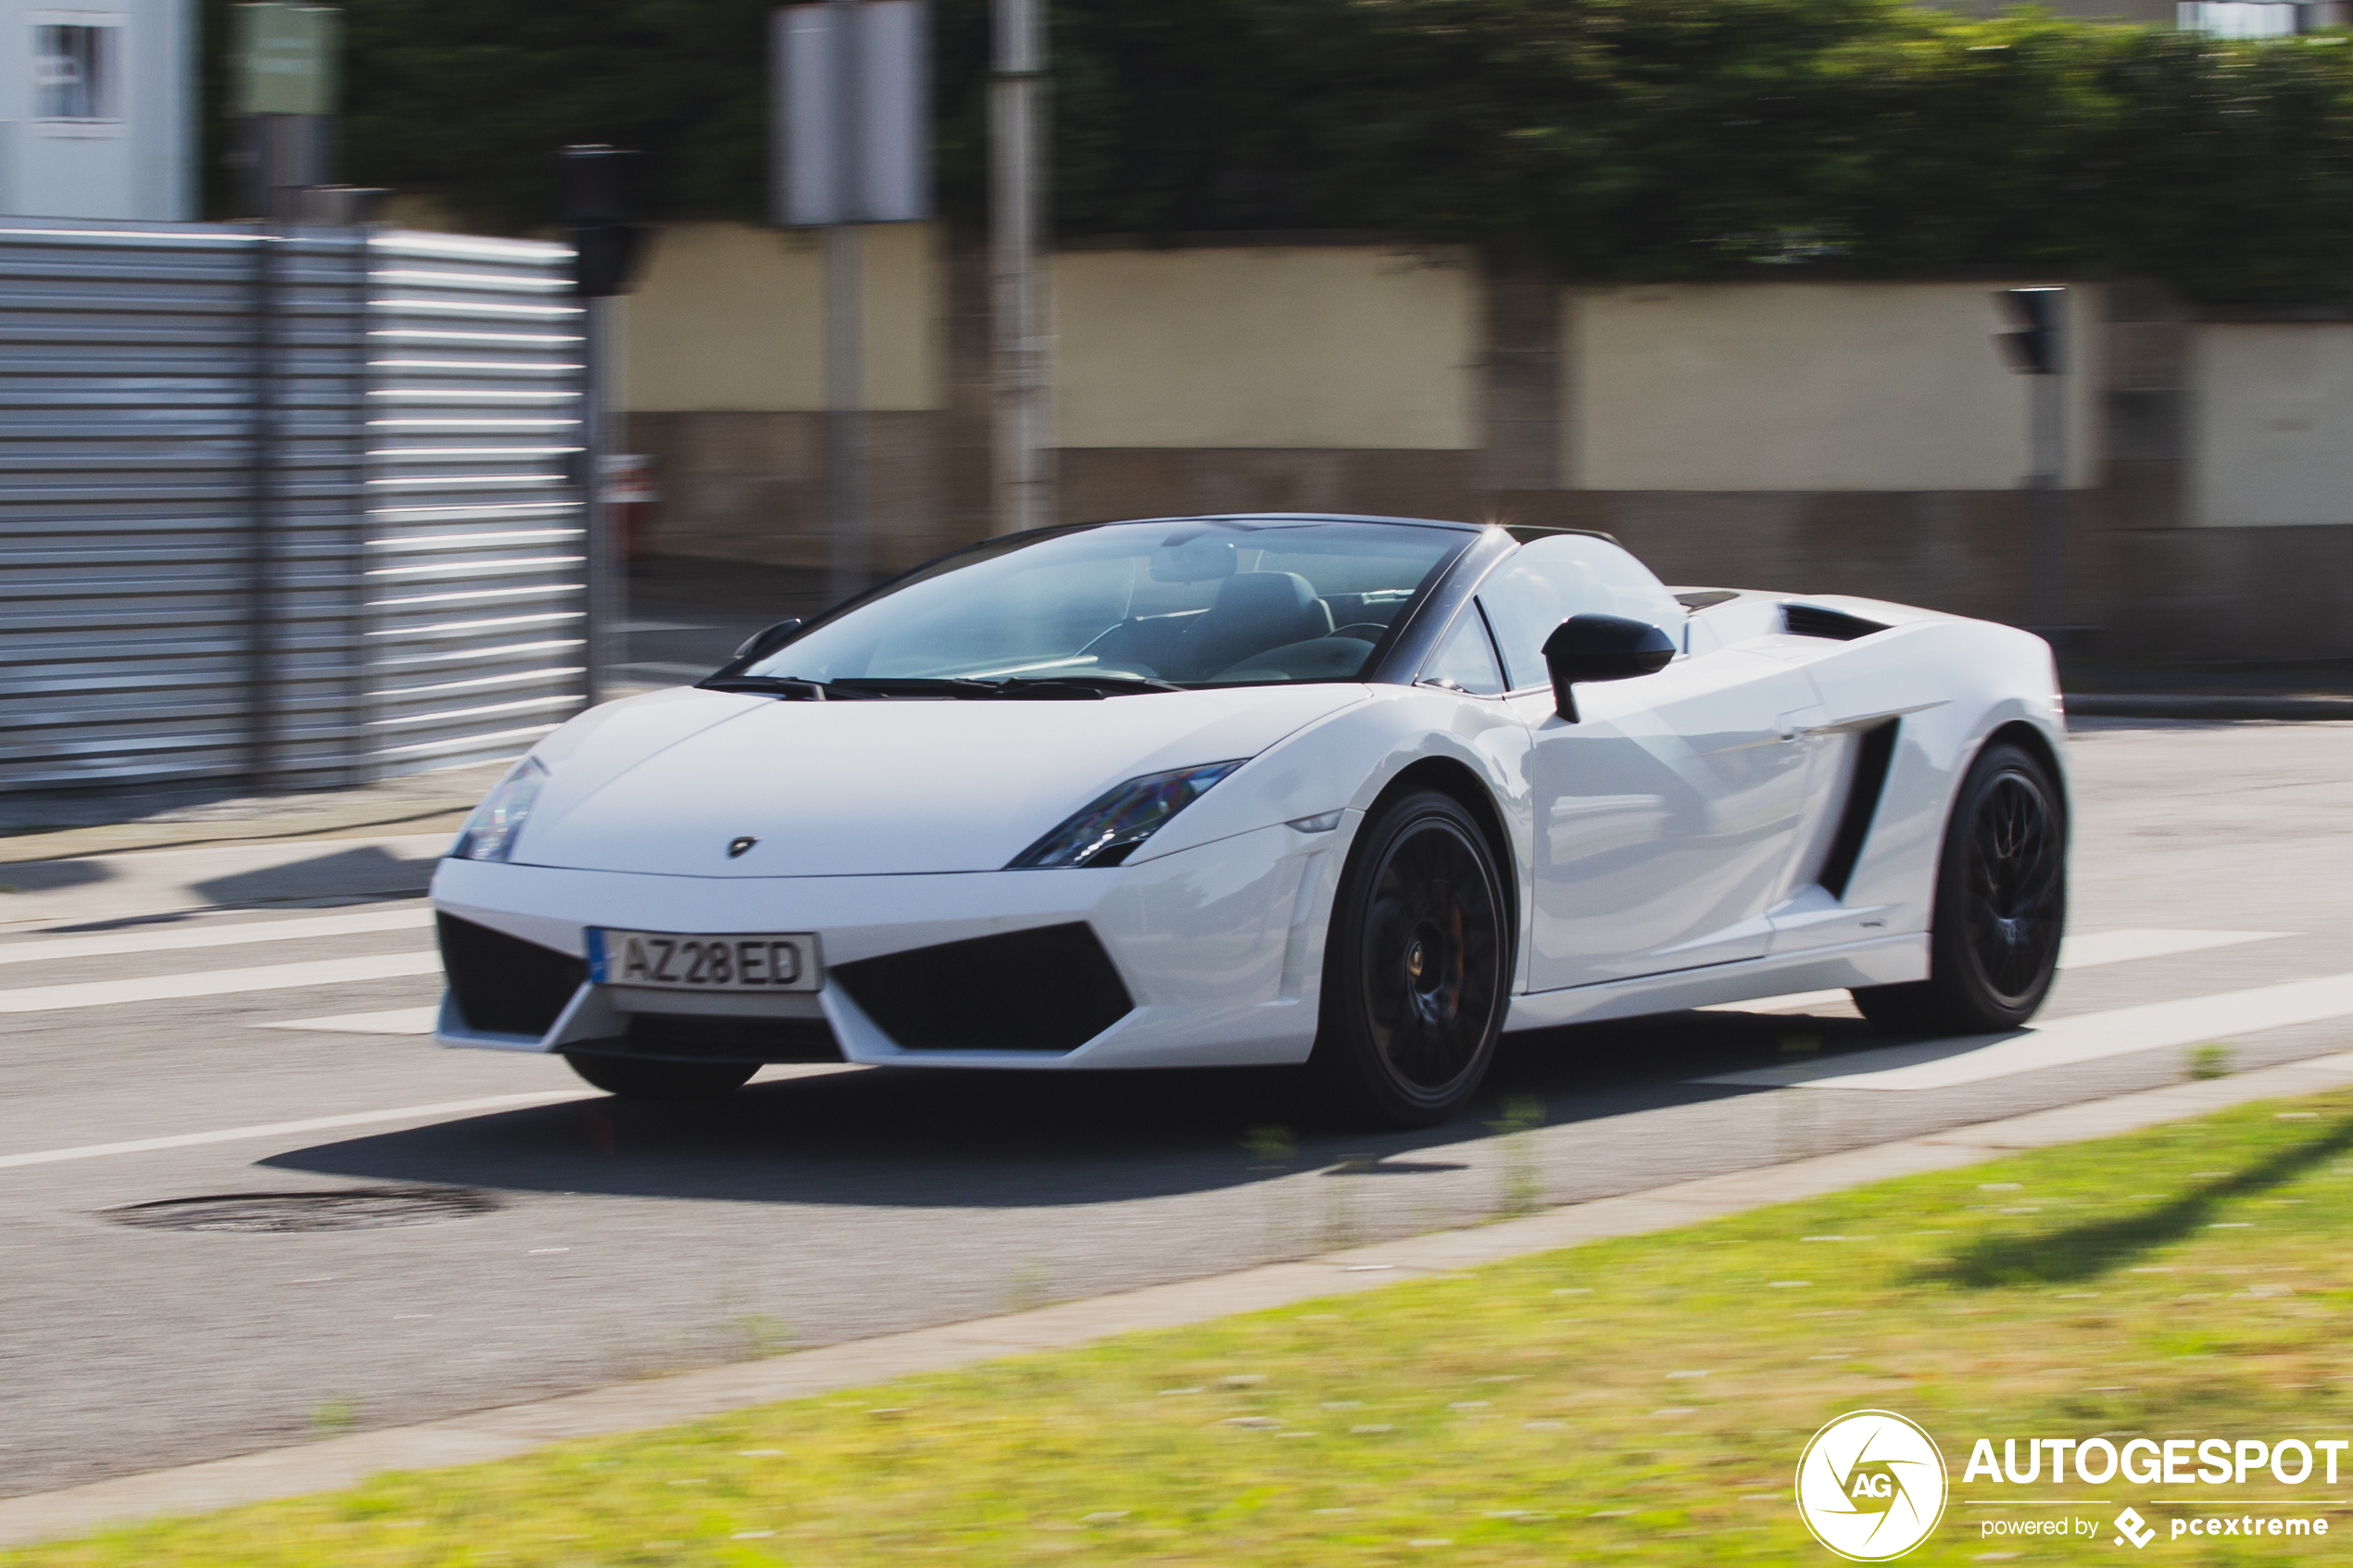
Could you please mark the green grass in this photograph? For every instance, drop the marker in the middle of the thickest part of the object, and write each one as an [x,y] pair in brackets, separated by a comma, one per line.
[1640,1400]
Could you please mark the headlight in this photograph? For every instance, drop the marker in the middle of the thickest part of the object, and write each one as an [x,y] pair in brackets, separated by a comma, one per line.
[489,833]
[1111,827]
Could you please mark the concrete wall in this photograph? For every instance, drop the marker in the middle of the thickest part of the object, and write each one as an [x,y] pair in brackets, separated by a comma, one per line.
[731,318]
[2272,424]
[1807,387]
[722,381]
[1859,438]
[1264,347]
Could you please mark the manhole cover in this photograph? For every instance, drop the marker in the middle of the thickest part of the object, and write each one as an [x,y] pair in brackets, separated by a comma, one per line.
[352,1208]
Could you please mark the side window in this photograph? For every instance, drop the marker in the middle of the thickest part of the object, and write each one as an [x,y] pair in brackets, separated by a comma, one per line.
[1568,574]
[1465,660]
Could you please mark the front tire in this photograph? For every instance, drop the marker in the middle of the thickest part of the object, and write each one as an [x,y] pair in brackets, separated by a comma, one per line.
[1416,970]
[637,1078]
[2000,910]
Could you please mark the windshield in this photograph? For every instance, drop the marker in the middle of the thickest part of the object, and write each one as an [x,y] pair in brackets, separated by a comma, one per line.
[1239,602]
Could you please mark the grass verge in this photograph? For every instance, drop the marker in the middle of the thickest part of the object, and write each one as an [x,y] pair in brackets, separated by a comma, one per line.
[1644,1399]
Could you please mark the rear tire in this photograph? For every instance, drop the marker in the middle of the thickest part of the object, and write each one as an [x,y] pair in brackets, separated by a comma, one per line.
[1416,970]
[636,1078]
[2000,905]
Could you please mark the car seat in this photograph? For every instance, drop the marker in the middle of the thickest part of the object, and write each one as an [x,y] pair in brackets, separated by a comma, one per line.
[1254,611]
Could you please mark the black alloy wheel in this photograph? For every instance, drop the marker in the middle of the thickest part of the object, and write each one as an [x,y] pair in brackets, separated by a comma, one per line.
[2000,909]
[1416,970]
[633,1077]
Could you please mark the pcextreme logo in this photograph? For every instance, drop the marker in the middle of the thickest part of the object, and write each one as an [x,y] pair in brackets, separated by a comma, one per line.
[1871,1485]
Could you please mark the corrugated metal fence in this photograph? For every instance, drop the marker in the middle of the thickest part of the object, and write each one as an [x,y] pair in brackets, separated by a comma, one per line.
[300,507]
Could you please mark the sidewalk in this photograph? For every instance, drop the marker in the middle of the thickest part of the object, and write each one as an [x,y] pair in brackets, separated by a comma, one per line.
[649,1403]
[59,825]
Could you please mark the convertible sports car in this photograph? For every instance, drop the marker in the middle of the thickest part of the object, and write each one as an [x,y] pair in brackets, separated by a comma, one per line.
[1359,794]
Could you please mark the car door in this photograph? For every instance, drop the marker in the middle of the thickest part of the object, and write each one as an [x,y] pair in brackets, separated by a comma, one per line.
[1667,819]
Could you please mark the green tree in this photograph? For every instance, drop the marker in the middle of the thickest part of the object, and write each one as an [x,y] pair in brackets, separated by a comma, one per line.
[1601,139]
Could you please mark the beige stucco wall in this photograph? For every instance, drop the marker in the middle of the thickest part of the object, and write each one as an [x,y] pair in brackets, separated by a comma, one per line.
[1805,387]
[731,316]
[2272,424]
[1273,346]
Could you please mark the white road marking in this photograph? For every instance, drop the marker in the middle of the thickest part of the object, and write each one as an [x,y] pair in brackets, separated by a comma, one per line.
[2077,952]
[311,1124]
[2123,947]
[217,982]
[397,1021]
[1942,1064]
[46,948]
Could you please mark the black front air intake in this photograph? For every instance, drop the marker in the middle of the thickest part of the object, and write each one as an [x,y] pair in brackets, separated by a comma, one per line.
[1813,621]
[1049,989]
[699,1038]
[504,985]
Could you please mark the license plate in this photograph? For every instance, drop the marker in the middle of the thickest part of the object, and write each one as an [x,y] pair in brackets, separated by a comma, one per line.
[668,961]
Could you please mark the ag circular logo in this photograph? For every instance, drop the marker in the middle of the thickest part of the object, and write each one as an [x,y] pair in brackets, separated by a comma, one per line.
[1871,1485]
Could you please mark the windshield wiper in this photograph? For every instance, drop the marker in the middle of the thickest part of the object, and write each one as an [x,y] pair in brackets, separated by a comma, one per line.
[1100,685]
[868,688]
[791,688]
[912,685]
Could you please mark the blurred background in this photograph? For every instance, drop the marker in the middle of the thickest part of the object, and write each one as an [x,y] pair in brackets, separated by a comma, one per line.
[312,336]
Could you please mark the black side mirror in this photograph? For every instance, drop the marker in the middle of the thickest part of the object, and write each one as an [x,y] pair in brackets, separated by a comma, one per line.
[1602,647]
[760,644]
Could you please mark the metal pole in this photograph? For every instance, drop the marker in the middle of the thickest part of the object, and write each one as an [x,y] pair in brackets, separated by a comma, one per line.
[262,687]
[845,412]
[597,577]
[1017,147]
[845,336]
[2053,596]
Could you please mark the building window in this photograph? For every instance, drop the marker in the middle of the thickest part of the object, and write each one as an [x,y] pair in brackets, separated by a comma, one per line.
[77,73]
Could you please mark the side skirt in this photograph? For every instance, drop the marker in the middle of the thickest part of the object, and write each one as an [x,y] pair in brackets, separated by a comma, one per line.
[1881,960]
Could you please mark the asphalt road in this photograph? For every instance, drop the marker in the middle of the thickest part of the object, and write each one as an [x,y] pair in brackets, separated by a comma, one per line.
[828,1204]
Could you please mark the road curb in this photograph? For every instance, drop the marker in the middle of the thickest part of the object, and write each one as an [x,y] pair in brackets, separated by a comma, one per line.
[2174,705]
[512,1430]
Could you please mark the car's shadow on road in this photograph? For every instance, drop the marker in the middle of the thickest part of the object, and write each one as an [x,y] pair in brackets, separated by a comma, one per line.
[907,1138]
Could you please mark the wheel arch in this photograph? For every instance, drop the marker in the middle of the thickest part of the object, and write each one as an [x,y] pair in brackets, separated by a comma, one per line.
[1457,780]
[2028,738]
[2031,739]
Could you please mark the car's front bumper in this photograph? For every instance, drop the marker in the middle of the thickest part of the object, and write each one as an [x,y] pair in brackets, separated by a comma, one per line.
[1219,948]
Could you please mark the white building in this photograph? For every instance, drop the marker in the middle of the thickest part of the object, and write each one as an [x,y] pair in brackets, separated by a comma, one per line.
[99,109]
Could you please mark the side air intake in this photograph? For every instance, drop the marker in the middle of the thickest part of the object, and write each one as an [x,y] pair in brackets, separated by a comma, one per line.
[1813,621]
[1874,750]
[504,985]
[1048,989]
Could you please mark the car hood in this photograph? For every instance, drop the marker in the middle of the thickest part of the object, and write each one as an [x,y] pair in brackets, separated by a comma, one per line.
[874,788]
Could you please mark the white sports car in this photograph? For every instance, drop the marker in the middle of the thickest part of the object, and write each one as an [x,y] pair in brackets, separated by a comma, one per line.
[1355,793]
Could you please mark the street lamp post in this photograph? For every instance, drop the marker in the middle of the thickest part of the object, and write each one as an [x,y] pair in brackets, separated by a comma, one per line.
[851,107]
[1024,487]
[600,222]
[845,337]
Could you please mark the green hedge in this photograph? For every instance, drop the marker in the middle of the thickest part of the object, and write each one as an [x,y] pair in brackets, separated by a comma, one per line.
[1605,139]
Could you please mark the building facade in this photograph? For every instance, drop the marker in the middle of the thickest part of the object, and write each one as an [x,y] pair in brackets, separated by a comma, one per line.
[99,109]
